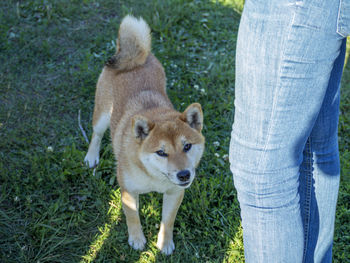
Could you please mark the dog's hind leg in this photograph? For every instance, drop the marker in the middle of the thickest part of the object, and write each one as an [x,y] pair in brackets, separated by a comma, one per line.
[171,203]
[101,119]
[92,157]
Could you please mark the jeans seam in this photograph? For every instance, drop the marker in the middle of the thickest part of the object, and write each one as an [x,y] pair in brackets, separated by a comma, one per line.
[339,28]
[308,185]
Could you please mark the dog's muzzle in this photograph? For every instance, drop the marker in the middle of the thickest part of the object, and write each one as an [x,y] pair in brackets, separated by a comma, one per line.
[184,177]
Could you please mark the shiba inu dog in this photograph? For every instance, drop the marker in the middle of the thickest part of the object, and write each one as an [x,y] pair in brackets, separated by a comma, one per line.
[157,148]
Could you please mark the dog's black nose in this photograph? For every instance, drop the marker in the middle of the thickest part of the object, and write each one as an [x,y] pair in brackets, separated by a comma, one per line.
[183,175]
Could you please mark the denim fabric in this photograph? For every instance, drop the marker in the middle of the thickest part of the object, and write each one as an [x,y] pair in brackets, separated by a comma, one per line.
[284,146]
[344,18]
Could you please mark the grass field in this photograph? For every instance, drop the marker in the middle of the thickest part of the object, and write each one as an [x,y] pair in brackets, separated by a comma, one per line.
[52,208]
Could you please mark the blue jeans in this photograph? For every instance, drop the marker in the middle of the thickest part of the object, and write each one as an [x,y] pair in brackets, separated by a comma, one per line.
[284,147]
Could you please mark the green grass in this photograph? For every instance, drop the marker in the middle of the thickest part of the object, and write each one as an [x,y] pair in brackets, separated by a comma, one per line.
[52,208]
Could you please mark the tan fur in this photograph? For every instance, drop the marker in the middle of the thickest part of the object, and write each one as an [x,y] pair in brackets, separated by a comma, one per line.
[131,98]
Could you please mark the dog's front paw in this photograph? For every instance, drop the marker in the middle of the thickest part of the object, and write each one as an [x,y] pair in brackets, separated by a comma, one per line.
[137,241]
[166,246]
[91,159]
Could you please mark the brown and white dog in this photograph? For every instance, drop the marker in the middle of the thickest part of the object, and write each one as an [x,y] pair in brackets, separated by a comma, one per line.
[157,147]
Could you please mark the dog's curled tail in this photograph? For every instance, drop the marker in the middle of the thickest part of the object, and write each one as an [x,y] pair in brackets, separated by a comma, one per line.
[133,44]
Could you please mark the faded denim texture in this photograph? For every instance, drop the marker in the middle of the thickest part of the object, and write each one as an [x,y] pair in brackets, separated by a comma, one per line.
[284,148]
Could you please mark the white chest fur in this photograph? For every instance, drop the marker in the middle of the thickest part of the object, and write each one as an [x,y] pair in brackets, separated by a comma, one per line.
[137,181]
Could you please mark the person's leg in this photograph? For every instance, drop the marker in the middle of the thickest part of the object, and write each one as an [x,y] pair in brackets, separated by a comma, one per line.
[284,59]
[320,173]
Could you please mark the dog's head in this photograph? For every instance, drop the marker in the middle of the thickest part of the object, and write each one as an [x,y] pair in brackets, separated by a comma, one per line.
[171,149]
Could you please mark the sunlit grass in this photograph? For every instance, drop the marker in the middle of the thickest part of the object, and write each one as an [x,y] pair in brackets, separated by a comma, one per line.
[98,243]
[347,52]
[114,214]
[236,4]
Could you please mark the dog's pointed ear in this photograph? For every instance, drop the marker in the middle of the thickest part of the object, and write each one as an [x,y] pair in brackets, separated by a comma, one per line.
[193,115]
[141,126]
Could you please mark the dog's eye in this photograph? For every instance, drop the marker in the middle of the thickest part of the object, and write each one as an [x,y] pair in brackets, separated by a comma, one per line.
[187,147]
[162,153]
